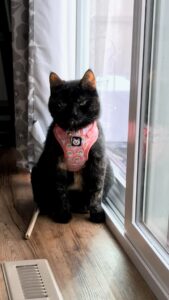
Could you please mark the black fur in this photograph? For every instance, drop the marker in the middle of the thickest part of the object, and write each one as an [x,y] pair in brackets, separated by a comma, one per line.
[73,105]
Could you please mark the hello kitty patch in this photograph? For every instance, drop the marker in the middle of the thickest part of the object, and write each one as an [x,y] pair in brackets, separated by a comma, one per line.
[76,141]
[76,145]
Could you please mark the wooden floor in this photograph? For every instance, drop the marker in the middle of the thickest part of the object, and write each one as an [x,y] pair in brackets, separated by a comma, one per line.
[87,261]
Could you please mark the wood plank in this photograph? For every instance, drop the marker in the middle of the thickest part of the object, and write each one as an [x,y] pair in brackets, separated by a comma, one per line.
[86,260]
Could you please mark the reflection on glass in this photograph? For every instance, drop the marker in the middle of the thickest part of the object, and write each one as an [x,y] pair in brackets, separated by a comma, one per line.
[155,214]
[110,58]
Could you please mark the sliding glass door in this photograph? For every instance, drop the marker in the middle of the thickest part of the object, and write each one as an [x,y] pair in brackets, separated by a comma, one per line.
[154,210]
[147,203]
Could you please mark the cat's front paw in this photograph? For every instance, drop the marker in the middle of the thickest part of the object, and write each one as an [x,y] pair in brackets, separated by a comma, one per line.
[63,217]
[97,216]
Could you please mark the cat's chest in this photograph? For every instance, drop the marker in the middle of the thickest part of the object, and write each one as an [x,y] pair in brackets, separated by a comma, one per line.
[75,180]
[77,183]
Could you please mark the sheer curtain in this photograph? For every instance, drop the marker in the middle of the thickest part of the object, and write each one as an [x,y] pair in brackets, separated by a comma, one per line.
[111,26]
[51,48]
[110,58]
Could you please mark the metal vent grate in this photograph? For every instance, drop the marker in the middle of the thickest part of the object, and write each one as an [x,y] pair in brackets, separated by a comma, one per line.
[30,279]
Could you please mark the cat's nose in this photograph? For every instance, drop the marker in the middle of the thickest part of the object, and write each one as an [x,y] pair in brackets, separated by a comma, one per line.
[75,112]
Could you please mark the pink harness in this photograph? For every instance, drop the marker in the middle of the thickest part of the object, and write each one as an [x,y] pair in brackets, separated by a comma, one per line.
[76,144]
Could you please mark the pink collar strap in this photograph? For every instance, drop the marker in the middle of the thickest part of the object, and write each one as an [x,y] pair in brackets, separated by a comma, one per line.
[76,144]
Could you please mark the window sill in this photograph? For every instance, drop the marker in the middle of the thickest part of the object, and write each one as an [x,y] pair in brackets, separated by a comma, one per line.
[118,230]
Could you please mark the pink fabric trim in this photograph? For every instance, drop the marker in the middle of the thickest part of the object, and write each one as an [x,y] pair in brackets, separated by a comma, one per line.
[76,156]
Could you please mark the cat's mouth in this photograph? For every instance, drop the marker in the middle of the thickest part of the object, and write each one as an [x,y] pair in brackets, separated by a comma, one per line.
[73,125]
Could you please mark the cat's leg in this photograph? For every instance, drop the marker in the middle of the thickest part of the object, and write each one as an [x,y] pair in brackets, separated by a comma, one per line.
[108,181]
[95,187]
[102,180]
[62,211]
[49,190]
[97,214]
[40,190]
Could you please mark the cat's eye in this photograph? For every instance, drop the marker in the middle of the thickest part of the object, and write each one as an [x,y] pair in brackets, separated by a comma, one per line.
[60,105]
[83,102]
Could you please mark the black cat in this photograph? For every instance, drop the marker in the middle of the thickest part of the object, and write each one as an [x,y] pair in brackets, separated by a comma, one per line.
[73,172]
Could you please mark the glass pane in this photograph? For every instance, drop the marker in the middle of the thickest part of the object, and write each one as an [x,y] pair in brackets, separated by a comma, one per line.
[110,58]
[155,210]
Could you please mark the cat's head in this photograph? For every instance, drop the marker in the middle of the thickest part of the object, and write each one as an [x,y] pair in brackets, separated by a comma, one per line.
[74,104]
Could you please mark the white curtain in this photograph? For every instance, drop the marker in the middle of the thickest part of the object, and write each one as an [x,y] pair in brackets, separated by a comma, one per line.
[52,48]
[110,58]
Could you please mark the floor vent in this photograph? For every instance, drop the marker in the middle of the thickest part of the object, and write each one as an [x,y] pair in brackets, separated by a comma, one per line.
[30,279]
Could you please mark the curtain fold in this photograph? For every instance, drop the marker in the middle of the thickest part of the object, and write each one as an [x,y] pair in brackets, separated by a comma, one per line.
[20,25]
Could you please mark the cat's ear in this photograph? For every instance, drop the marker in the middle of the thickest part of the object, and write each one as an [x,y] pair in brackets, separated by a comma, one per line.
[88,79]
[54,79]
